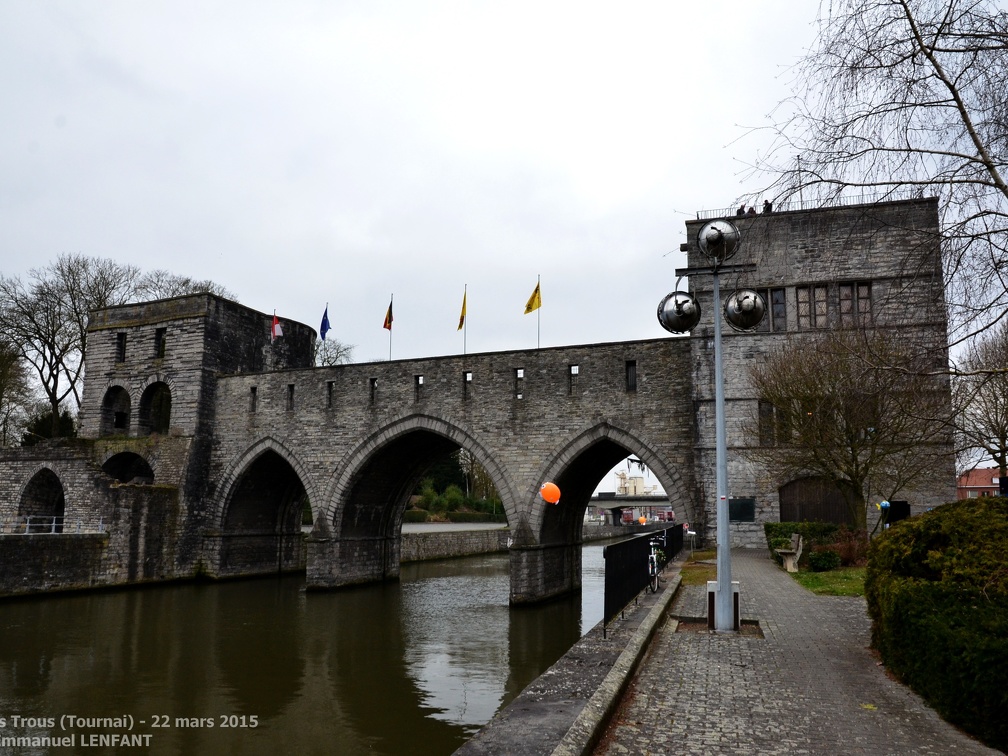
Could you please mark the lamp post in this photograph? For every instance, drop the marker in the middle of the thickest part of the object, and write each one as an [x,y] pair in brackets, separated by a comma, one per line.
[679,312]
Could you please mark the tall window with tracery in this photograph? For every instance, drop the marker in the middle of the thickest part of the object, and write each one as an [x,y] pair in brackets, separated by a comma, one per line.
[812,307]
[855,304]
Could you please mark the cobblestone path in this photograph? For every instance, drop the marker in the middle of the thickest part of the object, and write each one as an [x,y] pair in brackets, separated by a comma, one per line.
[810,686]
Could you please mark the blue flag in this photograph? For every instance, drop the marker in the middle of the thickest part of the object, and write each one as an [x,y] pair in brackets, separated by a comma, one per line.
[325,323]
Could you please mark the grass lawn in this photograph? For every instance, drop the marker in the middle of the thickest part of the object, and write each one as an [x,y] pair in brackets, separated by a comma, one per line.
[694,572]
[846,581]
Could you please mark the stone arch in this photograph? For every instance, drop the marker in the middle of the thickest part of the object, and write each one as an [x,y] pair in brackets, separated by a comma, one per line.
[154,414]
[575,469]
[43,497]
[233,472]
[128,467]
[116,415]
[427,438]
[259,513]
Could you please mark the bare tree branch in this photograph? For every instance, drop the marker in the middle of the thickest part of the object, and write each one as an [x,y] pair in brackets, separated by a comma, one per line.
[905,98]
[836,409]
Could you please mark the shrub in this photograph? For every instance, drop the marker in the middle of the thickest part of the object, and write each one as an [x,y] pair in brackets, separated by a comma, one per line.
[415,515]
[490,506]
[475,517]
[453,499]
[852,546]
[812,533]
[429,498]
[779,543]
[937,592]
[823,560]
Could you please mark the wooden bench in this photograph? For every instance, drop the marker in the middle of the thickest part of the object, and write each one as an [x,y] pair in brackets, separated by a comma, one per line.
[792,555]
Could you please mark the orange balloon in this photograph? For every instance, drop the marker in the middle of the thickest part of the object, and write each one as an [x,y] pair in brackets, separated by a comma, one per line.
[642,519]
[550,492]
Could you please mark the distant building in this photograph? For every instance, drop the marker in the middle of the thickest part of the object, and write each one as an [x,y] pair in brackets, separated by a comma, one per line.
[983,481]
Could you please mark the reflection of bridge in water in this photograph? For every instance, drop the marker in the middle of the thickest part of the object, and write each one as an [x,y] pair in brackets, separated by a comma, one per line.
[411,667]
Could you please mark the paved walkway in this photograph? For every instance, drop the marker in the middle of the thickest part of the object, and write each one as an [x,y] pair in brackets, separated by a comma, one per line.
[810,686]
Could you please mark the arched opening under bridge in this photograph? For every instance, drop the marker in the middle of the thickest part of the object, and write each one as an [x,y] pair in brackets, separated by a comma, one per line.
[261,528]
[359,537]
[129,467]
[43,503]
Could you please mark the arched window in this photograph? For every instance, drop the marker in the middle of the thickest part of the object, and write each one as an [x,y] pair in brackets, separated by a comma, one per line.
[155,409]
[115,414]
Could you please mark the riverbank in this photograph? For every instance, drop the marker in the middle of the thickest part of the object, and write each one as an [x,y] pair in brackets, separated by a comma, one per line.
[564,710]
[430,540]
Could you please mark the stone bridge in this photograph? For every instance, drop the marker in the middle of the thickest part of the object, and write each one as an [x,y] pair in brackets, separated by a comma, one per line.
[203,443]
[357,439]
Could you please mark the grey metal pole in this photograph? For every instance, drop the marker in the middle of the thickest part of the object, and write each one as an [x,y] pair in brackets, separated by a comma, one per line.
[724,611]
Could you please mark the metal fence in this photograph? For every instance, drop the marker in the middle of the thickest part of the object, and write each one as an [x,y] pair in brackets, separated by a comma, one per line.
[626,567]
[903,193]
[47,525]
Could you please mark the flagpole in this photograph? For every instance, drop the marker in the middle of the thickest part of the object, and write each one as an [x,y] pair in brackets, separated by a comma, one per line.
[391,297]
[465,323]
[538,310]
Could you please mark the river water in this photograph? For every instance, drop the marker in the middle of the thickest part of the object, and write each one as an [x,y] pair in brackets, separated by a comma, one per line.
[259,666]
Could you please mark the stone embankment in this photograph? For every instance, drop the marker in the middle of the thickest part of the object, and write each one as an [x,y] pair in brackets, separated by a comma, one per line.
[564,710]
[425,541]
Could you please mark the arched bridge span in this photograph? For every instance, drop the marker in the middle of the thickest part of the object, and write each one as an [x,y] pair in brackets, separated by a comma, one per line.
[353,442]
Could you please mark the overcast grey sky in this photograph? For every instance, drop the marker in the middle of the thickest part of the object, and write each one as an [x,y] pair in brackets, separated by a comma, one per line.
[309,152]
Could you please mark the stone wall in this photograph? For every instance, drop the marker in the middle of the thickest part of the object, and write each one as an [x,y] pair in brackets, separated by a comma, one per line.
[419,547]
[41,563]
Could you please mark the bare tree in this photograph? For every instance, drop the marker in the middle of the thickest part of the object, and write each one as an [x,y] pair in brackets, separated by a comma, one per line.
[86,284]
[15,394]
[46,316]
[902,98]
[479,484]
[856,408]
[161,284]
[35,320]
[332,352]
[981,396]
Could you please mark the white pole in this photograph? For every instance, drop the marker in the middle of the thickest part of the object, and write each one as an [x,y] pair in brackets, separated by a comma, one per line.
[724,611]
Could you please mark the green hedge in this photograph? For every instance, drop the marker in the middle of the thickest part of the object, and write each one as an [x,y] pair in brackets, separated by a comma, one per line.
[823,559]
[812,533]
[415,515]
[474,517]
[937,592]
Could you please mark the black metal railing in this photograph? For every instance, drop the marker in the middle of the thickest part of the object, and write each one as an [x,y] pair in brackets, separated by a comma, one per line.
[626,567]
[48,524]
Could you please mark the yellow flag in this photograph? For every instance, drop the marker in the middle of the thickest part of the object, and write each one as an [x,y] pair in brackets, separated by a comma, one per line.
[535,301]
[462,316]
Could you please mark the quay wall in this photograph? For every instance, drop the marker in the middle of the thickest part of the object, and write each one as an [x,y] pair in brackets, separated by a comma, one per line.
[419,547]
[40,563]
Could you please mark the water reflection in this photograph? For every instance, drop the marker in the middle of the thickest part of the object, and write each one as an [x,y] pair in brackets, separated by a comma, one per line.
[416,666]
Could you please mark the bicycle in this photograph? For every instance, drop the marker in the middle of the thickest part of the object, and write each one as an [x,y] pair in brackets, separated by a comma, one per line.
[654,566]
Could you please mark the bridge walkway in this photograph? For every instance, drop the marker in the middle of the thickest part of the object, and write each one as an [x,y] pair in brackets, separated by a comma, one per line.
[810,685]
